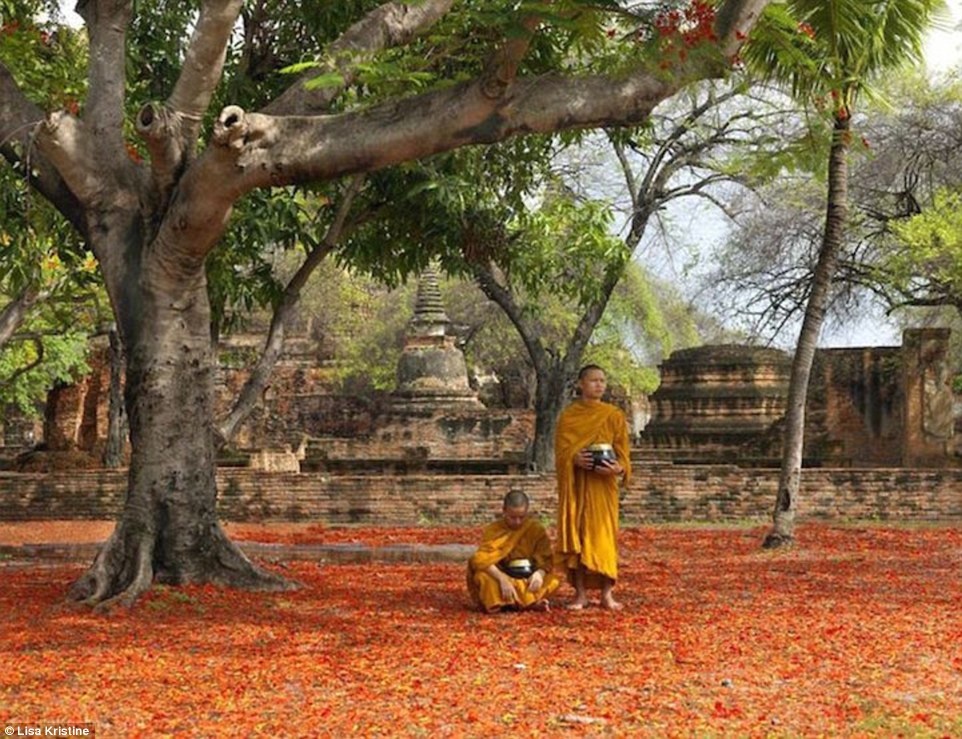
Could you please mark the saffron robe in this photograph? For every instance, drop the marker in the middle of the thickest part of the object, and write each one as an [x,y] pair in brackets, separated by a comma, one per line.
[587,501]
[498,542]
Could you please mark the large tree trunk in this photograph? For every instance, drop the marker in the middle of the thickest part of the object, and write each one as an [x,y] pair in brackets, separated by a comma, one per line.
[168,529]
[789,480]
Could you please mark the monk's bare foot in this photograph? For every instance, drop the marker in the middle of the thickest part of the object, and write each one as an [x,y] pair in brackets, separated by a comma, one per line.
[578,604]
[611,604]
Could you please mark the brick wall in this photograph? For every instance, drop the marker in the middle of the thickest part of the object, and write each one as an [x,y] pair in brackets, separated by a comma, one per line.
[659,492]
[854,410]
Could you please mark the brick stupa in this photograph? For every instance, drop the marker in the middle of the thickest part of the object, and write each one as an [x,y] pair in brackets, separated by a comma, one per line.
[431,372]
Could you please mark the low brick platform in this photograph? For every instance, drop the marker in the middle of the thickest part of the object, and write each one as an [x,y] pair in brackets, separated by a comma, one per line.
[323,553]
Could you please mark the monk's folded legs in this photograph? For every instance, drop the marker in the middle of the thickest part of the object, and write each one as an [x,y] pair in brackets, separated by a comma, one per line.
[490,598]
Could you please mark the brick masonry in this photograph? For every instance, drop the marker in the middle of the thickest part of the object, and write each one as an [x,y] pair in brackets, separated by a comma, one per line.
[660,492]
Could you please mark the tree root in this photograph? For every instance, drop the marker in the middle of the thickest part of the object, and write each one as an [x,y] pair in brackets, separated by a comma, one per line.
[117,576]
[236,570]
[776,540]
[125,568]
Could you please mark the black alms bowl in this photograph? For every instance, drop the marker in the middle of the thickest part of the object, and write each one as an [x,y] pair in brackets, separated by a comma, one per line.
[519,568]
[602,453]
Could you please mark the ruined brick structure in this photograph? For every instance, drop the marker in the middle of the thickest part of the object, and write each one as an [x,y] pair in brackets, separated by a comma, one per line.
[715,401]
[431,373]
[73,429]
[867,407]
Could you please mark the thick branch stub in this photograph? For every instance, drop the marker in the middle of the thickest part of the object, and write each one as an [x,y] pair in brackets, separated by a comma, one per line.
[161,130]
[231,128]
[236,129]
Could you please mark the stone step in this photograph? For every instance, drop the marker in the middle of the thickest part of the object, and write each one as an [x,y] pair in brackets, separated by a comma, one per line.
[322,553]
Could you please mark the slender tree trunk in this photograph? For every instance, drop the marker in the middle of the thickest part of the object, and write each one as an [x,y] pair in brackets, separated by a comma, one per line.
[284,314]
[548,403]
[786,504]
[168,529]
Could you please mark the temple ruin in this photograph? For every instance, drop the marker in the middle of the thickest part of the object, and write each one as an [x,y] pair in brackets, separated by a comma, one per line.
[866,407]
[717,400]
[431,373]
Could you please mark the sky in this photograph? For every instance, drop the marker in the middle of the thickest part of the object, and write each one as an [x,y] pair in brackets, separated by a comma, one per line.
[943,48]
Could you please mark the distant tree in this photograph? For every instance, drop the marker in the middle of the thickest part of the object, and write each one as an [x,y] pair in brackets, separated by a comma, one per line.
[829,52]
[906,194]
[910,149]
[536,247]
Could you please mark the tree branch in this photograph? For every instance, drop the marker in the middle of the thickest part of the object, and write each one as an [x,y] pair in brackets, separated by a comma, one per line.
[107,22]
[392,24]
[253,150]
[203,65]
[15,312]
[170,131]
[38,343]
[257,381]
[19,121]
[488,282]
[64,139]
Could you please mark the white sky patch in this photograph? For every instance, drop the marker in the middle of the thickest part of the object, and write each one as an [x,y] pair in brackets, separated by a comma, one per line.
[943,46]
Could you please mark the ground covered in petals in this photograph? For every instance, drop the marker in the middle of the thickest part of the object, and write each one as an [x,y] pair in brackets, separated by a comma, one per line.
[855,632]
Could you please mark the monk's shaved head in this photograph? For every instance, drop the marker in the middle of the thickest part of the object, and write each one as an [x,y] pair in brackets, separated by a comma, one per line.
[588,368]
[516,499]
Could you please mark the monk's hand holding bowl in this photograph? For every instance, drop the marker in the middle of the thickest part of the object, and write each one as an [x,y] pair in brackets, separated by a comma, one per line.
[536,581]
[585,460]
[610,469]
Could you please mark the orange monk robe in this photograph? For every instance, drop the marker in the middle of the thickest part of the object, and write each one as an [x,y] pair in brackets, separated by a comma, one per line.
[587,501]
[498,542]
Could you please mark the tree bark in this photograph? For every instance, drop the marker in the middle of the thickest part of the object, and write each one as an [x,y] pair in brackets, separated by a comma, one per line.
[14,313]
[552,372]
[116,416]
[549,400]
[789,480]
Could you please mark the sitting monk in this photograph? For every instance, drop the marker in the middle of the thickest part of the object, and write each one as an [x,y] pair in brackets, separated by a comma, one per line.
[512,567]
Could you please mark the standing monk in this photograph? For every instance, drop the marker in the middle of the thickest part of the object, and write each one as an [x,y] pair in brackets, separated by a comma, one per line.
[591,456]
[512,567]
